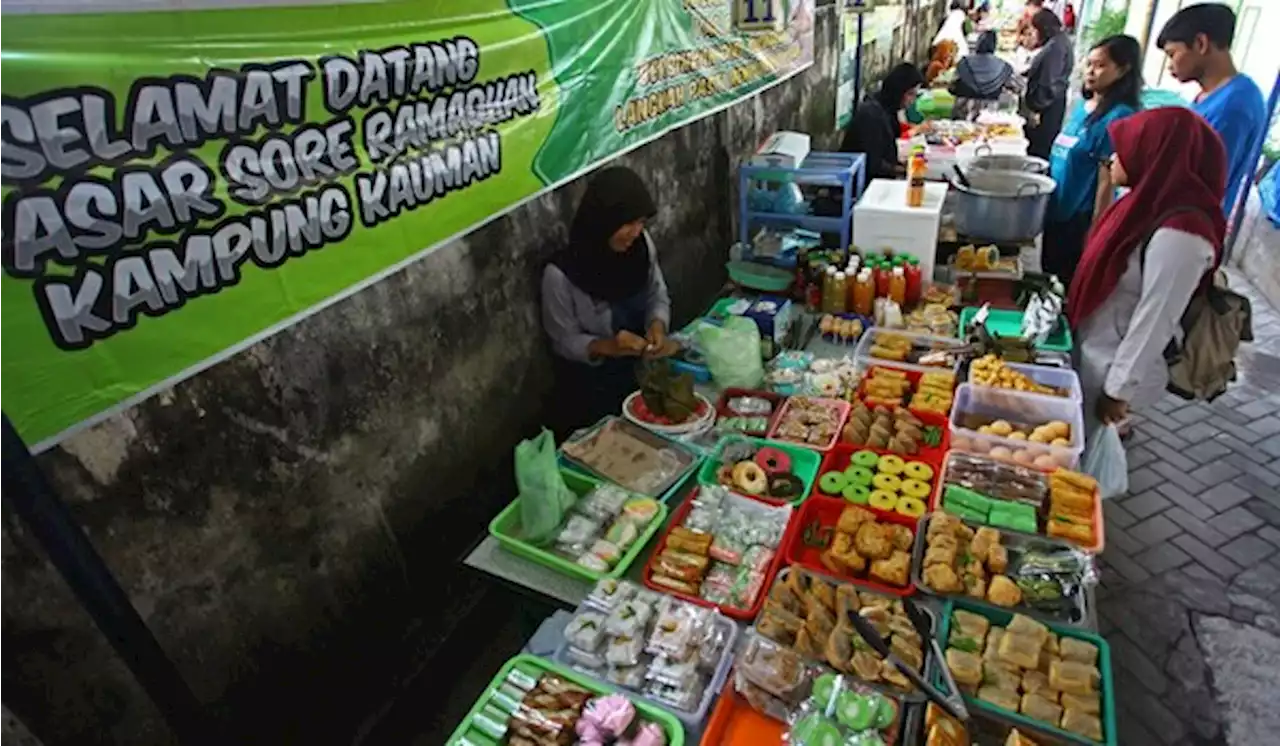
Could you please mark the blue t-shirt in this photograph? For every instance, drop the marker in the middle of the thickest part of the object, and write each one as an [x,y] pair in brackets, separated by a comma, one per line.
[1237,112]
[1078,150]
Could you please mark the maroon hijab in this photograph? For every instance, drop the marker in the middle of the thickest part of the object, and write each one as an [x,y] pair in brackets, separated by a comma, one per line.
[1173,159]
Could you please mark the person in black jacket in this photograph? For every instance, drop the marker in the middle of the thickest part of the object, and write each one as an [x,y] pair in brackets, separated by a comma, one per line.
[1045,102]
[874,129]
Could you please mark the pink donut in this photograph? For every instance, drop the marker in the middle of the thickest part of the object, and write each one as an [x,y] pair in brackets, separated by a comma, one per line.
[773,460]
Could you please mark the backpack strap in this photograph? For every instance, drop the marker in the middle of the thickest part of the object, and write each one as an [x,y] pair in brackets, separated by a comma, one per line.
[1158,223]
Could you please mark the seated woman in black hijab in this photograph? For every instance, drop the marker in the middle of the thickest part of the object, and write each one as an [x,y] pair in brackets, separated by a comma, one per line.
[981,78]
[875,128]
[604,300]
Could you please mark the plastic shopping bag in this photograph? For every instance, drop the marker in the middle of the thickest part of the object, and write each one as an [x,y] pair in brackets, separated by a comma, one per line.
[544,497]
[1105,461]
[733,353]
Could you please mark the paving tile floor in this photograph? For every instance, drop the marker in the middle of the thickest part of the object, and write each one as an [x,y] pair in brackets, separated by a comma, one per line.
[1194,549]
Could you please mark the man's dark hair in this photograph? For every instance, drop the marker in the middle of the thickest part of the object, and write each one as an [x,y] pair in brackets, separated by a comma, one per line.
[1047,24]
[1036,3]
[1216,22]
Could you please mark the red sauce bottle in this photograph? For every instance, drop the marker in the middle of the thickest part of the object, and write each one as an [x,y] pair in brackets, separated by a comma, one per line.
[915,281]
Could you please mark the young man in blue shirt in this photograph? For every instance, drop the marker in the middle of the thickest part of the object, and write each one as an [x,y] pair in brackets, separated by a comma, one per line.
[1197,41]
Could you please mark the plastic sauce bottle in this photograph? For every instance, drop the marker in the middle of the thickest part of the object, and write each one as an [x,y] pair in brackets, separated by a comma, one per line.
[883,274]
[915,281]
[898,287]
[828,288]
[864,293]
[840,299]
[915,179]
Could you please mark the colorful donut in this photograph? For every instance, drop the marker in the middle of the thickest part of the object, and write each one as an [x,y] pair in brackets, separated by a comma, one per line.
[750,478]
[833,482]
[890,464]
[917,470]
[915,488]
[859,475]
[857,494]
[773,460]
[886,482]
[867,459]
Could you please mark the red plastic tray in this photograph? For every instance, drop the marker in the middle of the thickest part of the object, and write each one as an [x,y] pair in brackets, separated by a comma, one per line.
[735,723]
[732,611]
[913,376]
[722,406]
[838,459]
[842,408]
[827,511]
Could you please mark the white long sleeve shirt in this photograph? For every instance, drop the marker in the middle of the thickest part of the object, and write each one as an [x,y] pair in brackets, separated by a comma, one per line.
[1122,343]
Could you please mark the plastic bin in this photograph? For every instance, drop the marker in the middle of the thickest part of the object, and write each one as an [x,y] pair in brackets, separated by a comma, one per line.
[824,512]
[736,613]
[838,460]
[505,527]
[1045,375]
[842,414]
[862,354]
[1008,323]
[805,462]
[1107,686]
[536,667]
[882,220]
[714,684]
[1016,407]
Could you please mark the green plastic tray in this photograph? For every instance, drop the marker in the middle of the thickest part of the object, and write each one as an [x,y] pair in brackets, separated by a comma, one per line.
[760,276]
[1009,324]
[506,529]
[1002,618]
[805,462]
[535,666]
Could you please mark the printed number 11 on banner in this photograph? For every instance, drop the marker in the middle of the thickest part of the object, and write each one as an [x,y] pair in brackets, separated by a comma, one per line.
[759,15]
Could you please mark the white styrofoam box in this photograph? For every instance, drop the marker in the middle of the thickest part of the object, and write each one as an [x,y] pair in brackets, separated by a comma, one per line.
[881,220]
[782,150]
[1015,407]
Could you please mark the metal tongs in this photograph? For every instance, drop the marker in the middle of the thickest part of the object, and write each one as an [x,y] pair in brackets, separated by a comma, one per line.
[953,703]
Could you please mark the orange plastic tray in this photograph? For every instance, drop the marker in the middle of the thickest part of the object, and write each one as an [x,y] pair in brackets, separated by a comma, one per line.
[735,723]
[826,511]
[837,459]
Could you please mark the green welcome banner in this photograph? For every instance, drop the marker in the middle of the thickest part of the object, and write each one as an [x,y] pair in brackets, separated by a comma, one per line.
[178,185]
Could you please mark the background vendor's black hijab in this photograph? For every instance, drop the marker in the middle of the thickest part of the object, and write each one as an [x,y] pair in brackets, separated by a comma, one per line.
[900,79]
[615,196]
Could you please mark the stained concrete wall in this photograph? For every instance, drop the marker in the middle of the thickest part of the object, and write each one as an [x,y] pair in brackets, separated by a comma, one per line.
[289,522]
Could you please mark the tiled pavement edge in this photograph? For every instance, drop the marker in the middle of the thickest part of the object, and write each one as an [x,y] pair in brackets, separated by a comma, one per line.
[1198,535]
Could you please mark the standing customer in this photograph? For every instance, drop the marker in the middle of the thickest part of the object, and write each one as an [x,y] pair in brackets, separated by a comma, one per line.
[1125,307]
[875,126]
[604,300]
[1197,41]
[1046,99]
[981,79]
[1080,155]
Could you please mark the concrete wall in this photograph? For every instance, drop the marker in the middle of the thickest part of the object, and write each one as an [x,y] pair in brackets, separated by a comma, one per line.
[289,522]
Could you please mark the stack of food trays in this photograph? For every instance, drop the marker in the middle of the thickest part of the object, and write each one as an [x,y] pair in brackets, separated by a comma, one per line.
[1046,678]
[1042,578]
[672,653]
[1061,504]
[763,468]
[722,549]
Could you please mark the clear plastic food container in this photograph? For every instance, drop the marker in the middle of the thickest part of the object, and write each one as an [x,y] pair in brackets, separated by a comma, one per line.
[1016,407]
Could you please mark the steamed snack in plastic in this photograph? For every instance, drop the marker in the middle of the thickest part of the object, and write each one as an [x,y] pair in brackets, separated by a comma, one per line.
[991,370]
[862,543]
[629,456]
[809,420]
[773,678]
[843,711]
[800,609]
[933,318]
[602,525]
[654,645]
[1019,668]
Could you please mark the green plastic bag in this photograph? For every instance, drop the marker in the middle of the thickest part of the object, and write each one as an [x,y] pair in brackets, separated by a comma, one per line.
[733,353]
[544,497]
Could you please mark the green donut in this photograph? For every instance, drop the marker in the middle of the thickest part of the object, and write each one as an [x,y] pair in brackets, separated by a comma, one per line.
[859,475]
[857,494]
[815,730]
[822,688]
[865,459]
[833,482]
[855,711]
[886,712]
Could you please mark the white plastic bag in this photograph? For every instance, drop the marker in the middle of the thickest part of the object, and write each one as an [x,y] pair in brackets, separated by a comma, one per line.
[1105,461]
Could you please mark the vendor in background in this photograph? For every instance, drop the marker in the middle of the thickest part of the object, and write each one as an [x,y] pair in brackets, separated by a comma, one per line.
[604,300]
[1045,102]
[1197,41]
[954,28]
[876,127]
[982,80]
[1125,307]
[1081,153]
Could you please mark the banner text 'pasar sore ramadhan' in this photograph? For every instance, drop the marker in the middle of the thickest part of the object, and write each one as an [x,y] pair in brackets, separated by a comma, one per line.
[83,188]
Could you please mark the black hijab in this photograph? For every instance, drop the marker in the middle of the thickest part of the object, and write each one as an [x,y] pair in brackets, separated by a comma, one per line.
[900,79]
[615,196]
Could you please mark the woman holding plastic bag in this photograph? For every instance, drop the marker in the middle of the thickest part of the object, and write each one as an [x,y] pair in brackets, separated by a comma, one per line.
[604,300]
[1143,261]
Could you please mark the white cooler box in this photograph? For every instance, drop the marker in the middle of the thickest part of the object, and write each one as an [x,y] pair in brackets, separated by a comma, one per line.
[881,220]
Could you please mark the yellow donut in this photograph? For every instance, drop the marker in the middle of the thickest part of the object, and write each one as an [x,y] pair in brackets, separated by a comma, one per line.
[910,507]
[890,464]
[882,500]
[750,478]
[918,471]
[886,482]
[915,488]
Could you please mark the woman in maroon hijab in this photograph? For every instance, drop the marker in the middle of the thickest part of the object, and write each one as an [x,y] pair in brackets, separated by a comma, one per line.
[1125,304]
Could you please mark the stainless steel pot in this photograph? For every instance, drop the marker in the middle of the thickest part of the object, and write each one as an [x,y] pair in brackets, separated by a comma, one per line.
[1025,163]
[1002,206]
